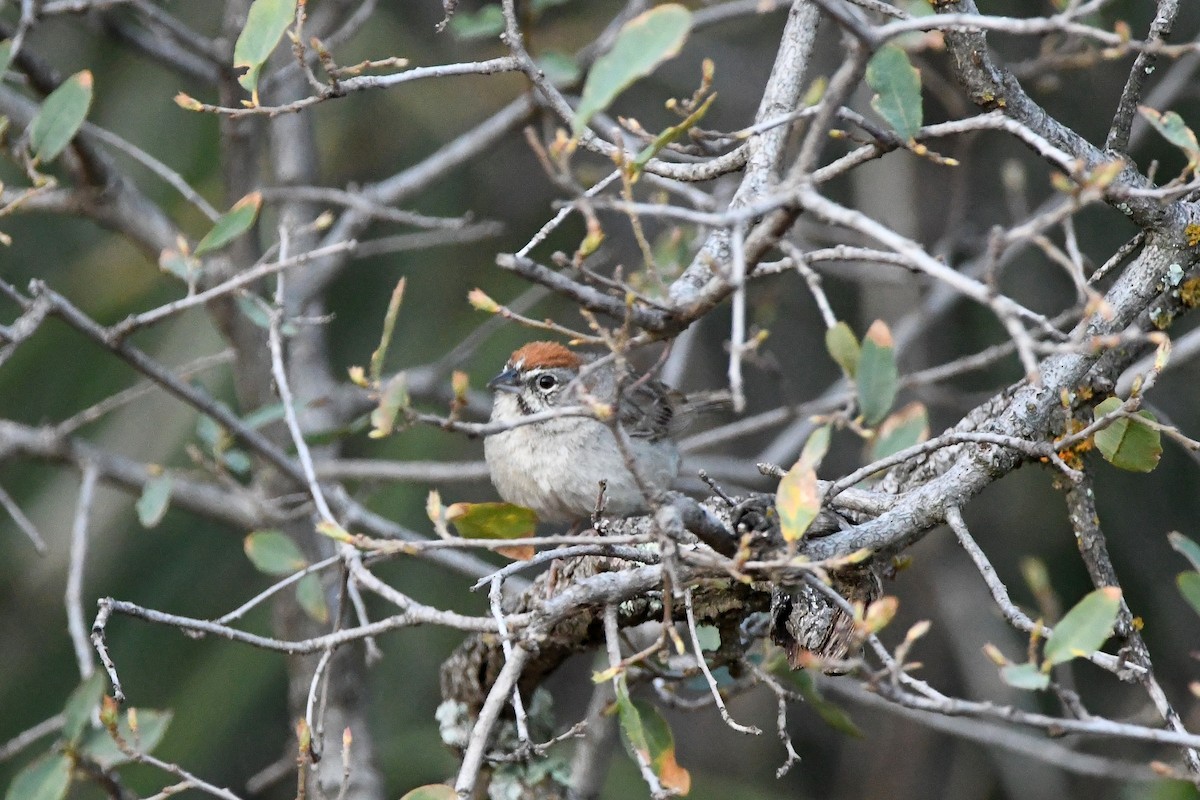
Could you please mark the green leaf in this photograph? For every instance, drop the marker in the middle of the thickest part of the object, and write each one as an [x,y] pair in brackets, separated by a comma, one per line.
[395,397]
[5,56]
[433,791]
[233,223]
[45,779]
[210,432]
[816,446]
[254,309]
[648,738]
[539,6]
[642,44]
[274,553]
[672,250]
[264,415]
[492,520]
[1189,587]
[1127,443]
[80,705]
[186,268]
[61,116]
[156,496]
[389,325]
[830,713]
[559,68]
[797,500]
[708,636]
[905,428]
[265,24]
[661,744]
[843,347]
[630,719]
[898,84]
[311,597]
[236,461]
[1085,627]
[877,377]
[486,23]
[1185,547]
[1024,676]
[1173,129]
[98,745]
[669,135]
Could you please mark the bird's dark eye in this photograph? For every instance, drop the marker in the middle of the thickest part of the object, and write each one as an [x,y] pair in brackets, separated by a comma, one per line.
[546,382]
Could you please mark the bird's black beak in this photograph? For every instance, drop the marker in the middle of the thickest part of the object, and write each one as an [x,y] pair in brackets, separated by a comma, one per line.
[507,381]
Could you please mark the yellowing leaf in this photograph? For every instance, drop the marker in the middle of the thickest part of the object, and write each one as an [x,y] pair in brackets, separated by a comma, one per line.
[274,553]
[797,500]
[642,44]
[648,736]
[518,552]
[662,749]
[5,55]
[61,116]
[232,224]
[492,520]
[311,597]
[335,532]
[843,347]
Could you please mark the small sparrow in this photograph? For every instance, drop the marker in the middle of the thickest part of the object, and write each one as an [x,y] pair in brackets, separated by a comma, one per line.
[555,466]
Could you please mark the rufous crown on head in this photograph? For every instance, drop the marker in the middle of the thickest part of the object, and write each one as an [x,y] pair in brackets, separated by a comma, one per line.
[544,355]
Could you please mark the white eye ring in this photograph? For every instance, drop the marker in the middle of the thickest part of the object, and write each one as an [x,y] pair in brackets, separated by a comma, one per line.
[546,382]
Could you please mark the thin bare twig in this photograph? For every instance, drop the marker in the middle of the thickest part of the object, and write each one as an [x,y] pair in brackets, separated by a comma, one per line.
[23,522]
[708,676]
[74,592]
